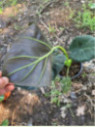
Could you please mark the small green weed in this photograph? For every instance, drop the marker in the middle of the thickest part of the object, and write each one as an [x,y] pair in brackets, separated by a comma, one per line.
[72,13]
[5,123]
[1,6]
[1,10]
[1,98]
[85,20]
[7,3]
[61,28]
[91,5]
[11,2]
[84,75]
[66,84]
[59,87]
[16,27]
[55,94]
[51,29]
[66,4]
[46,1]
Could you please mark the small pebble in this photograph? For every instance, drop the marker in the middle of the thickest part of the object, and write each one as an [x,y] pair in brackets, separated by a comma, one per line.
[82,1]
[73,95]
[93,92]
[42,90]
[84,88]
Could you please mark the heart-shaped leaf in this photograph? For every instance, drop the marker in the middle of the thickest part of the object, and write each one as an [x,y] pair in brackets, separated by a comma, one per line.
[82,48]
[23,64]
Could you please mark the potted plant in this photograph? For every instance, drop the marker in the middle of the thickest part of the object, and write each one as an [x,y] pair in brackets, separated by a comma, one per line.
[31,59]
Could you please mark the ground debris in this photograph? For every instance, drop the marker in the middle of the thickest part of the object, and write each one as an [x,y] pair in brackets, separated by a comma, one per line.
[80,110]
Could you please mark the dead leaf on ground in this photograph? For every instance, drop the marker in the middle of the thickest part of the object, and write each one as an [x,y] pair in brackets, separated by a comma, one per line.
[77,86]
[62,14]
[80,110]
[93,92]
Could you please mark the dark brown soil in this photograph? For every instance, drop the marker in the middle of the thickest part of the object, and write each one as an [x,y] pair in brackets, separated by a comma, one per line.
[73,71]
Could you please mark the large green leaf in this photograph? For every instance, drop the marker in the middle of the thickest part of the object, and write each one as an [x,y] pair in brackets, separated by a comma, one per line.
[82,48]
[19,63]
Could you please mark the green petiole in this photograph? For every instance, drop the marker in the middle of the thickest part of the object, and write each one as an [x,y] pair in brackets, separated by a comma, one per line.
[23,56]
[29,72]
[34,39]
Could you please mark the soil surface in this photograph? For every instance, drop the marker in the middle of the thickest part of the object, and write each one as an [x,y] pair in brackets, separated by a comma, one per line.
[55,19]
[74,71]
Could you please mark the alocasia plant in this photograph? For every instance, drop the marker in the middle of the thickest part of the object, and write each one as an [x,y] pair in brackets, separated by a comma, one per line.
[31,59]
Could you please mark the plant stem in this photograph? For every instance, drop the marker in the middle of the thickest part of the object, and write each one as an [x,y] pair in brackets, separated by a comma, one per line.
[29,72]
[44,67]
[67,73]
[23,56]
[63,50]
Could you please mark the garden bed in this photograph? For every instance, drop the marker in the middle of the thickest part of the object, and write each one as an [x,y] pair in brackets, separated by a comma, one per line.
[35,107]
